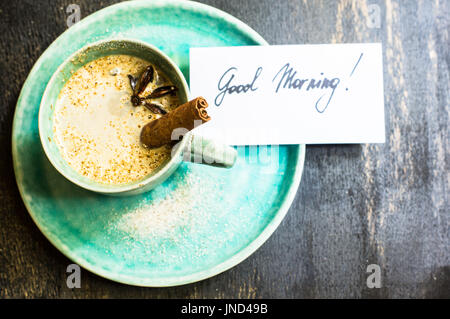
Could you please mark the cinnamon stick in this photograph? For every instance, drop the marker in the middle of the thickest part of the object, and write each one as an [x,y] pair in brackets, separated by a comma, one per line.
[159,132]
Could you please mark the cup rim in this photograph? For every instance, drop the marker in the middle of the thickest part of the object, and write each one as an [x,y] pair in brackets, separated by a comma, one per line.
[111,188]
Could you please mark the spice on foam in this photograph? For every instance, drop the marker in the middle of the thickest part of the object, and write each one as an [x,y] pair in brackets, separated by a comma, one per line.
[97,128]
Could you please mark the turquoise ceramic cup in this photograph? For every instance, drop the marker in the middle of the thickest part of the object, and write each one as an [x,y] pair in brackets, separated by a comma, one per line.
[190,148]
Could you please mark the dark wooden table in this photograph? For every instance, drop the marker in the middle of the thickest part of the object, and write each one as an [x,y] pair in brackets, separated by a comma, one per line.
[357,204]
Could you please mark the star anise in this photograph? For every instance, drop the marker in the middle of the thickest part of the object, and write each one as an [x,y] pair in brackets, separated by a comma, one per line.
[139,86]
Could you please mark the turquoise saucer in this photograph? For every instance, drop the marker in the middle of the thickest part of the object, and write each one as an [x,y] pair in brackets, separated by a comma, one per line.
[199,222]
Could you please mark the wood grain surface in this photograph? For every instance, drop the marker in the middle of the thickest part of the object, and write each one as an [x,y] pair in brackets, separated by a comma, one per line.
[357,205]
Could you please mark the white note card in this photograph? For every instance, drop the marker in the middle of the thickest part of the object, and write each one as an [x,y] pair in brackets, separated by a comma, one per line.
[291,94]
